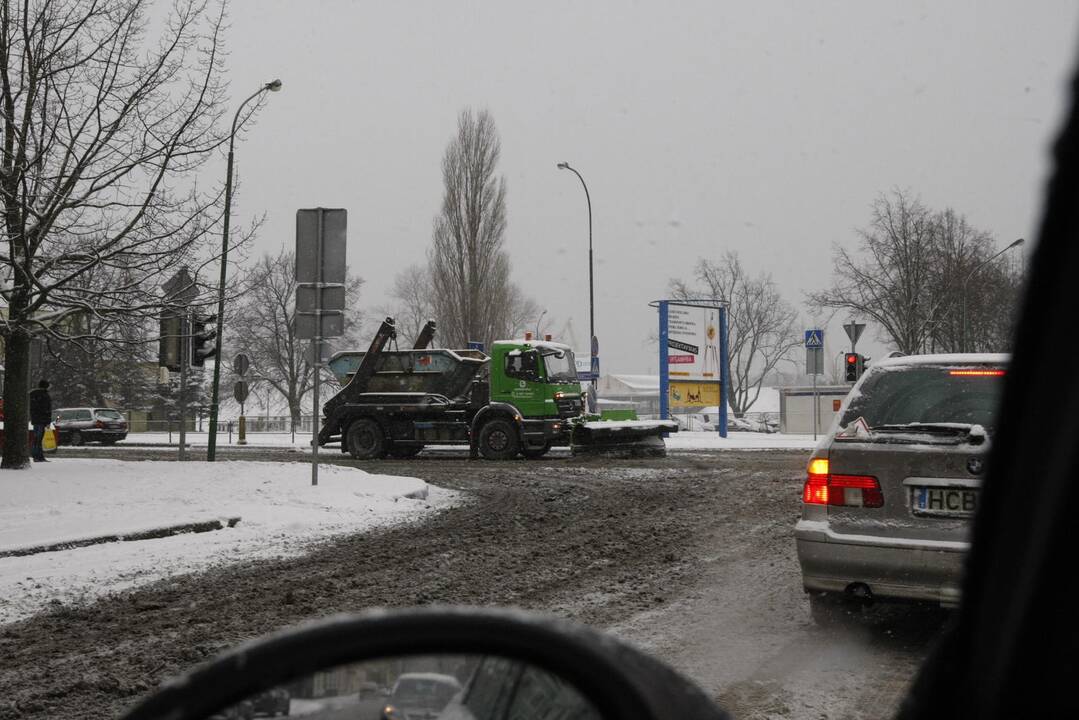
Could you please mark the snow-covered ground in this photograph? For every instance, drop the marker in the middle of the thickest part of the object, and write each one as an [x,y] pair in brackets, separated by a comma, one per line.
[281,514]
[735,440]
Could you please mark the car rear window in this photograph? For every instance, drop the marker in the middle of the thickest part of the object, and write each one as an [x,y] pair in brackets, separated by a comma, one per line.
[928,394]
[109,415]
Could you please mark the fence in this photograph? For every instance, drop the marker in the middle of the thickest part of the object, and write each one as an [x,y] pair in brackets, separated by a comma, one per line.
[270,423]
[277,428]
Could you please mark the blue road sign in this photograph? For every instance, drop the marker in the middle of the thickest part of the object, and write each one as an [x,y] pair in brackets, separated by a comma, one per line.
[595,367]
[815,338]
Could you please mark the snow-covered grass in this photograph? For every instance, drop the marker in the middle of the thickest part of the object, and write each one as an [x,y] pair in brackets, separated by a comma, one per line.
[281,514]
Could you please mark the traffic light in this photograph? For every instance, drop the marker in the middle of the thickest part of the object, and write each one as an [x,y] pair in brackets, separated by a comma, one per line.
[854,364]
[170,343]
[203,336]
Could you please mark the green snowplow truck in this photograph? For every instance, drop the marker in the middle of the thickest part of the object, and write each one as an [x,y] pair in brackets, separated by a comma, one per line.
[523,399]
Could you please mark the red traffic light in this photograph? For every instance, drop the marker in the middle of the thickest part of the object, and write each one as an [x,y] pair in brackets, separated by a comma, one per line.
[852,358]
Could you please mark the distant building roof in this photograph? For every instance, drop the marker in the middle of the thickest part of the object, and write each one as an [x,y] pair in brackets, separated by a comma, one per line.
[646,385]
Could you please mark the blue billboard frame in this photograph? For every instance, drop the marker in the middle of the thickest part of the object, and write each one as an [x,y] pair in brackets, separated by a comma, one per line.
[664,369]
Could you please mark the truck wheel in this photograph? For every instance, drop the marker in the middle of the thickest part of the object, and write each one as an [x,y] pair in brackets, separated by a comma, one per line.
[76,438]
[536,452]
[365,440]
[498,440]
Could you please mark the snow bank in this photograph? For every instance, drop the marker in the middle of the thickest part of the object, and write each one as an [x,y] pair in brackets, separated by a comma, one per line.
[739,441]
[281,513]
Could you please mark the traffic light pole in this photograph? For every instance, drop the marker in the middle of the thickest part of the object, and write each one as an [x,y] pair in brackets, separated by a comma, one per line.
[185,357]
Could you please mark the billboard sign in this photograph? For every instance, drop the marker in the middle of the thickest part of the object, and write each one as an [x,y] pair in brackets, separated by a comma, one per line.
[683,394]
[693,343]
[693,366]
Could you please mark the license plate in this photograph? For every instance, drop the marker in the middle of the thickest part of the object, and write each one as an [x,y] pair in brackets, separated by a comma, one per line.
[954,502]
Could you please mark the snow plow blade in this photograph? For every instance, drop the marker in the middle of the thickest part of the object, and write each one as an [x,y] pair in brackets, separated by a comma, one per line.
[622,438]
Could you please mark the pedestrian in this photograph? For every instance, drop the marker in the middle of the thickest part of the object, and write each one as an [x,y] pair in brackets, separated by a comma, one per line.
[40,417]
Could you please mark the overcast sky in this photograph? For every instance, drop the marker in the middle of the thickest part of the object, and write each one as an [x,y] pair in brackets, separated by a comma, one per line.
[762,127]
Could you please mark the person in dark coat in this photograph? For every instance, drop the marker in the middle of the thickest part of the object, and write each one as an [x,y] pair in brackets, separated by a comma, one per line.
[40,417]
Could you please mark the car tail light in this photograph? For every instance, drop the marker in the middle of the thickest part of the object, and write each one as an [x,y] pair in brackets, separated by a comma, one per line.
[977,373]
[98,424]
[815,491]
[824,488]
[855,491]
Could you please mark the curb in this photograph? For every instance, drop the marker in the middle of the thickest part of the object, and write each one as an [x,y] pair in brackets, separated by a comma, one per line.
[151,534]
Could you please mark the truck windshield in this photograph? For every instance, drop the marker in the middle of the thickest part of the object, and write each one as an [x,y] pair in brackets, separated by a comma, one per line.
[560,366]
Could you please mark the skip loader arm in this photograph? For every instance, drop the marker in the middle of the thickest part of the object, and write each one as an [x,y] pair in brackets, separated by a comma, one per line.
[425,337]
[358,384]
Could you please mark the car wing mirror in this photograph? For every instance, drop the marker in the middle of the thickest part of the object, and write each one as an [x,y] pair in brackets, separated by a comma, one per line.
[440,663]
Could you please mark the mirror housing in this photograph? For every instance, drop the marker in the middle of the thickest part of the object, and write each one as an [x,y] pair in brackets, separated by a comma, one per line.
[619,680]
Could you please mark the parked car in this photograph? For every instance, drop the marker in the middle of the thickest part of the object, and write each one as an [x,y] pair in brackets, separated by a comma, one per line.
[891,490]
[420,696]
[75,426]
[501,687]
[272,703]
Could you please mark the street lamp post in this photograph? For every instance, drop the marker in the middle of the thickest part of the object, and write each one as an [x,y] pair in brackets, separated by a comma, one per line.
[591,285]
[978,267]
[211,442]
[538,321]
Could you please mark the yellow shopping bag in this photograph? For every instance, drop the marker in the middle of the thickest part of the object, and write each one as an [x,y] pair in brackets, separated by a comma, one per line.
[48,442]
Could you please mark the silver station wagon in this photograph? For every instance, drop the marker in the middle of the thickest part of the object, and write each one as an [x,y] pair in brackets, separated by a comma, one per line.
[76,426]
[891,489]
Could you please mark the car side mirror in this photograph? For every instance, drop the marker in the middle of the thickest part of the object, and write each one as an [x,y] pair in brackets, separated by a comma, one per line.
[435,658]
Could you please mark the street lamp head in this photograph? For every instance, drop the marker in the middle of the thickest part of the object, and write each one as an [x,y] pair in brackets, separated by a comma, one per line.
[274,85]
[1017,243]
[563,166]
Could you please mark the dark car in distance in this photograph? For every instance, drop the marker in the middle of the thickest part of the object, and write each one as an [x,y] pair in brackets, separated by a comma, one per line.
[272,703]
[76,426]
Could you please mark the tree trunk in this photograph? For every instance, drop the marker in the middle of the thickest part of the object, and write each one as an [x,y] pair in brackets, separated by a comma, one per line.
[17,408]
[294,412]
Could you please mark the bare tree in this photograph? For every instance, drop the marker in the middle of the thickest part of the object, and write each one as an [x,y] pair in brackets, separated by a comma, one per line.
[761,324]
[520,313]
[105,360]
[893,284]
[100,127]
[909,275]
[411,305]
[472,293]
[264,327]
[994,294]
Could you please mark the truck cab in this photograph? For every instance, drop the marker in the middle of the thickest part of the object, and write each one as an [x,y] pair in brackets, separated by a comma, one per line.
[533,394]
[539,378]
